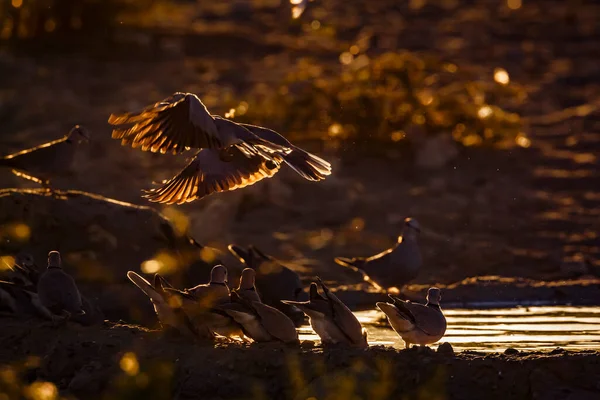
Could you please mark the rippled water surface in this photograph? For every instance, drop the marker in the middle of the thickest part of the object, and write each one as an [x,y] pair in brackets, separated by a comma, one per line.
[524,328]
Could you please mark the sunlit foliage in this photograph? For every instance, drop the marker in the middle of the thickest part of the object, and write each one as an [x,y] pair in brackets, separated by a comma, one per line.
[389,97]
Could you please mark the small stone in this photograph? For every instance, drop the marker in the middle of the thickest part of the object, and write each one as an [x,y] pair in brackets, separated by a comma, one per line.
[307,344]
[445,349]
[557,350]
[511,352]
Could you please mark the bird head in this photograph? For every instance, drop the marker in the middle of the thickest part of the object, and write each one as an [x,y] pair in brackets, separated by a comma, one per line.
[79,134]
[218,274]
[434,295]
[411,228]
[54,259]
[247,279]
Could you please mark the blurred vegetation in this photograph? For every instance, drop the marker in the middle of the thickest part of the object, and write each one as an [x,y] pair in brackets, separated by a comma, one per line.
[366,97]
[51,19]
[387,98]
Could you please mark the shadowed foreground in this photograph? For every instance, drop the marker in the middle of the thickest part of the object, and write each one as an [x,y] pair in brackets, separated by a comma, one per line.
[128,362]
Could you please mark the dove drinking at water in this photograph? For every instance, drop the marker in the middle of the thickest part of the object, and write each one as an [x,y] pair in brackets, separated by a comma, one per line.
[229,155]
[259,321]
[416,323]
[49,160]
[393,267]
[331,319]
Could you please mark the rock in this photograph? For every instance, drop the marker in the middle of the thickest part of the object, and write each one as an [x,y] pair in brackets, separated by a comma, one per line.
[100,239]
[511,352]
[307,344]
[445,349]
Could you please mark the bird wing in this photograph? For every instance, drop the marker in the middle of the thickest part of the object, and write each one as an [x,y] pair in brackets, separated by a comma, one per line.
[209,173]
[307,165]
[428,319]
[249,142]
[275,322]
[174,124]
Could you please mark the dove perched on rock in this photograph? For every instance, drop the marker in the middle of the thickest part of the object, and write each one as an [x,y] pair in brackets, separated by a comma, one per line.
[21,300]
[48,160]
[393,267]
[57,290]
[416,323]
[331,319]
[170,316]
[274,282]
[229,156]
[259,321]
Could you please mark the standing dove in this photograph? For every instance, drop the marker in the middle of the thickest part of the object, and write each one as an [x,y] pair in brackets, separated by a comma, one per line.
[57,290]
[393,267]
[46,161]
[229,155]
[274,282]
[331,319]
[416,323]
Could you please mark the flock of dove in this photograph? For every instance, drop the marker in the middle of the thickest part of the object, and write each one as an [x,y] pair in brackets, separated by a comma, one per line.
[229,155]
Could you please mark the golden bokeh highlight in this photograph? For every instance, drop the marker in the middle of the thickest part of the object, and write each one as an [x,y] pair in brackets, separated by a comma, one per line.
[514,4]
[41,391]
[163,263]
[346,58]
[6,263]
[17,3]
[208,254]
[397,136]
[178,220]
[485,112]
[522,141]
[129,364]
[501,76]
[335,130]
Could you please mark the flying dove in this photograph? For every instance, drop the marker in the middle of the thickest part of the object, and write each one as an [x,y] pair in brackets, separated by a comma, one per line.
[331,319]
[393,267]
[259,321]
[170,316]
[416,323]
[246,289]
[230,155]
[47,160]
[274,282]
[57,290]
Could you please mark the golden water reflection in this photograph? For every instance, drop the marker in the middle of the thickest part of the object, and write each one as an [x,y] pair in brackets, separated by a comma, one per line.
[523,328]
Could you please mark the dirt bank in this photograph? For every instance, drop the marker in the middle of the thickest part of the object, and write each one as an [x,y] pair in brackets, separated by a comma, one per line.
[128,362]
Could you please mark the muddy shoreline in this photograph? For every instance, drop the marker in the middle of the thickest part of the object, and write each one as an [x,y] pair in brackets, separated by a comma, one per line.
[87,363]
